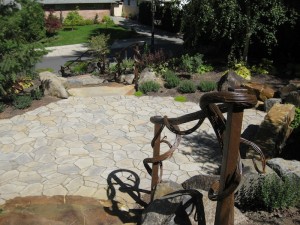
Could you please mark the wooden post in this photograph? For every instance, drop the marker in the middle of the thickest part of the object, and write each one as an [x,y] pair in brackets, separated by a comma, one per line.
[225,207]
[155,167]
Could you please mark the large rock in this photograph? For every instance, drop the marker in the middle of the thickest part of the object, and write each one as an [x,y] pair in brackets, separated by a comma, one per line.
[274,130]
[147,75]
[269,103]
[166,187]
[52,85]
[127,78]
[291,93]
[262,91]
[200,181]
[230,80]
[285,167]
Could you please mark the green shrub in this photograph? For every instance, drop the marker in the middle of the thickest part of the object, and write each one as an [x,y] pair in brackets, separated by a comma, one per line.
[204,69]
[149,86]
[2,107]
[74,19]
[277,193]
[79,67]
[172,80]
[187,86]
[242,71]
[207,86]
[138,94]
[264,68]
[127,64]
[180,98]
[36,94]
[191,63]
[271,192]
[22,101]
[107,20]
[296,122]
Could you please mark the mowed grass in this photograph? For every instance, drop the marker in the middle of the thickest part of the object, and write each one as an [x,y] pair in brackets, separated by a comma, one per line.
[81,34]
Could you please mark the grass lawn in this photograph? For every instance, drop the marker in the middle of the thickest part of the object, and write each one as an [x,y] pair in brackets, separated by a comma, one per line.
[81,34]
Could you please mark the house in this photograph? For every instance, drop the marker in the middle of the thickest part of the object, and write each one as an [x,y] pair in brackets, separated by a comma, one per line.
[88,9]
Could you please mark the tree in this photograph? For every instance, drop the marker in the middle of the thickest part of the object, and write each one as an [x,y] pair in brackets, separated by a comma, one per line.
[21,29]
[235,23]
[52,23]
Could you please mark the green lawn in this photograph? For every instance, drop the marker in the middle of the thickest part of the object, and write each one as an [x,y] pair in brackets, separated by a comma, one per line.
[81,34]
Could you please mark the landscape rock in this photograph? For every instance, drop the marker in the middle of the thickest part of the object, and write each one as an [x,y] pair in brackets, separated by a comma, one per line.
[230,80]
[285,167]
[284,91]
[274,130]
[147,75]
[200,181]
[127,78]
[52,85]
[292,98]
[269,103]
[262,91]
[166,187]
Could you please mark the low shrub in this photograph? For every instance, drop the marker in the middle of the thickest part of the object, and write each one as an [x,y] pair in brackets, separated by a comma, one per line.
[127,64]
[107,20]
[88,22]
[264,68]
[149,86]
[171,79]
[22,101]
[191,63]
[52,23]
[138,94]
[180,98]
[204,69]
[207,86]
[242,71]
[280,193]
[36,94]
[187,86]
[296,122]
[2,107]
[79,67]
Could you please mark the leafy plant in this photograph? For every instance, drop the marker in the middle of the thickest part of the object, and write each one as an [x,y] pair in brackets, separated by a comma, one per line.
[172,80]
[277,193]
[138,94]
[149,86]
[22,101]
[52,24]
[204,68]
[107,20]
[296,122]
[36,94]
[264,68]
[242,71]
[2,107]
[207,86]
[180,98]
[191,63]
[127,64]
[154,59]
[187,86]
[74,19]
[79,67]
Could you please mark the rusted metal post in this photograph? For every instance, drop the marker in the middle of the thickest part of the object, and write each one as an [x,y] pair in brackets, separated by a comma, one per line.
[225,207]
[155,167]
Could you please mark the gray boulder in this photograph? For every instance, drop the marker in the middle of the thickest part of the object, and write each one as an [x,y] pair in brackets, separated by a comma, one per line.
[52,85]
[285,167]
[230,80]
[127,78]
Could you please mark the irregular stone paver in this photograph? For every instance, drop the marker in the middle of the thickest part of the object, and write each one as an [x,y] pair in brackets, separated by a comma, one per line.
[85,146]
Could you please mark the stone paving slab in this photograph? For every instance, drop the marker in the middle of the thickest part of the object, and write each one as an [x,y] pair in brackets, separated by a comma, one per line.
[78,146]
[100,91]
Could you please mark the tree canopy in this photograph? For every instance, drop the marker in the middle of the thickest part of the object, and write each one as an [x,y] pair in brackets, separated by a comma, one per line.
[21,29]
[235,23]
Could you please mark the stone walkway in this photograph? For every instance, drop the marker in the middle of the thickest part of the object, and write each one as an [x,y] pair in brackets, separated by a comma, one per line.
[79,145]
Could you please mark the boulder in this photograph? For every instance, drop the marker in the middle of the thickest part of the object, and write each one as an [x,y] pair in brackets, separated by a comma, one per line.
[166,187]
[285,167]
[52,85]
[269,103]
[200,181]
[147,75]
[292,98]
[127,78]
[284,91]
[262,91]
[274,130]
[230,80]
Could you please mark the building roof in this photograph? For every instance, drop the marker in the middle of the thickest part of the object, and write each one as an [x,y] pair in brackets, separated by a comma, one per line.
[56,2]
